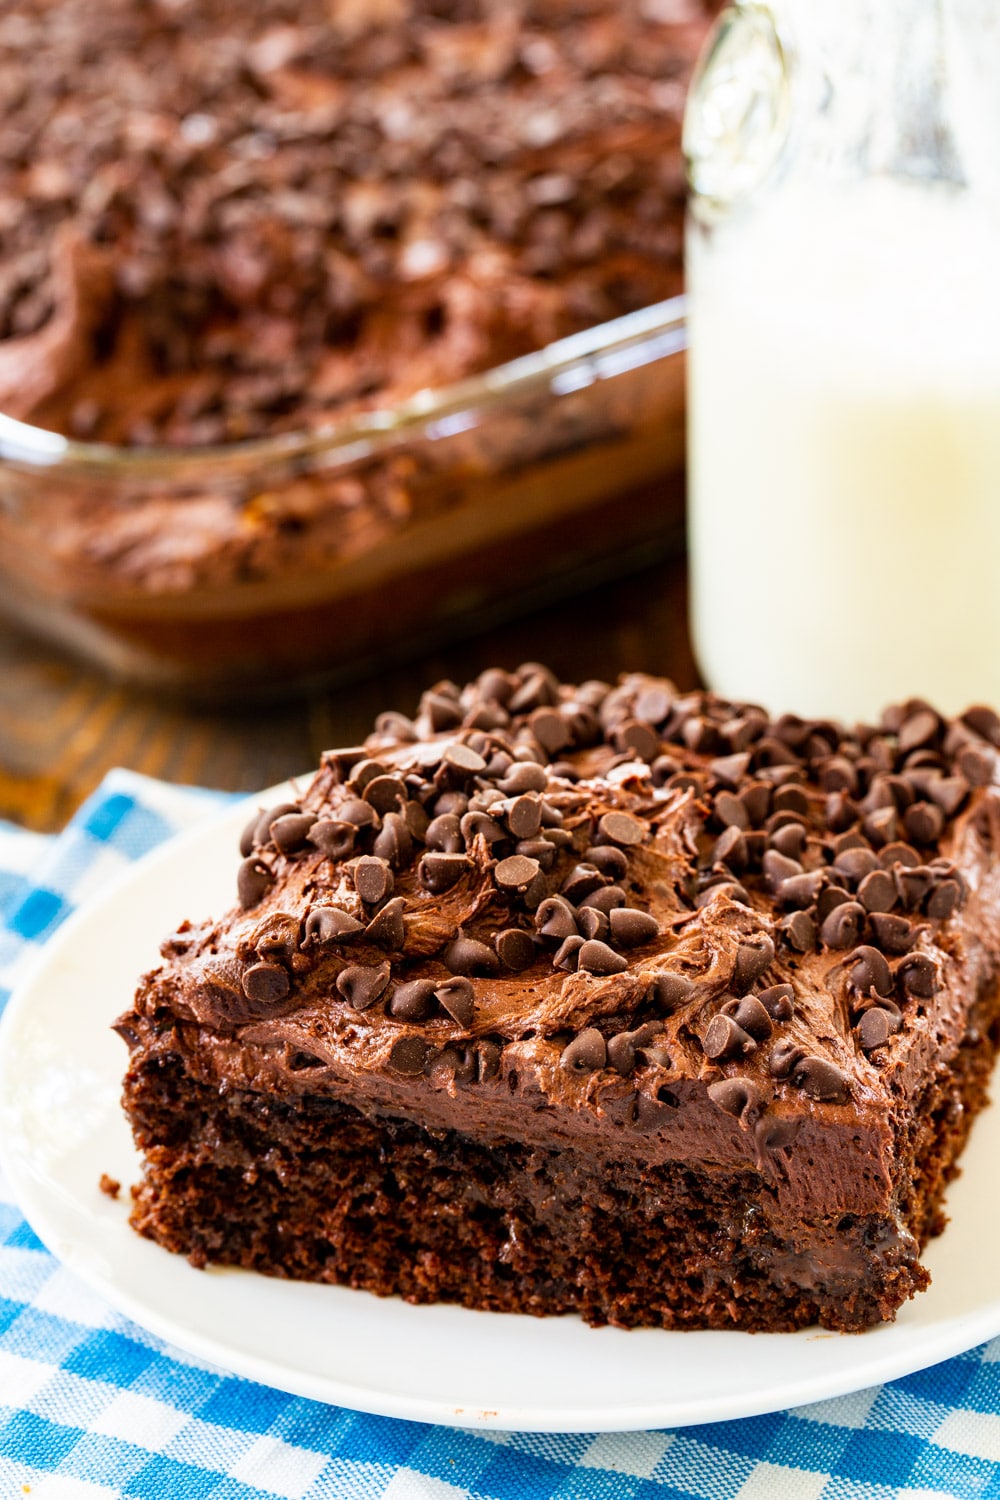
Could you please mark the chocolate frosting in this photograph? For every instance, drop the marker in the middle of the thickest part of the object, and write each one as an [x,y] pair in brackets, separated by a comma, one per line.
[682,989]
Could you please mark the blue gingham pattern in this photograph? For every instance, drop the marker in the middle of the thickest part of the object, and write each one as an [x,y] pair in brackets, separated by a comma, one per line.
[94,1408]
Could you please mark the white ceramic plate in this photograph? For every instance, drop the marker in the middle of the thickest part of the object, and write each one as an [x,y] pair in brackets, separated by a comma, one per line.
[61,1127]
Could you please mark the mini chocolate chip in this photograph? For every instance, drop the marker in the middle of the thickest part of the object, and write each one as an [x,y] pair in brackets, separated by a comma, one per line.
[410,1053]
[451,804]
[752,959]
[833,895]
[869,971]
[477,824]
[670,990]
[730,849]
[361,985]
[756,798]
[566,955]
[598,958]
[586,1053]
[365,771]
[468,956]
[875,1028]
[921,728]
[818,1078]
[524,816]
[975,765]
[790,799]
[918,976]
[777,868]
[838,774]
[894,934]
[593,923]
[730,769]
[464,759]
[516,872]
[725,1039]
[637,739]
[581,881]
[984,721]
[524,776]
[372,879]
[386,793]
[387,929]
[844,925]
[413,1001]
[784,1057]
[248,836]
[515,949]
[789,840]
[621,1052]
[943,900]
[360,813]
[854,864]
[620,828]
[333,837]
[607,898]
[555,919]
[444,833]
[914,884]
[610,861]
[394,841]
[751,1015]
[740,1097]
[457,997]
[262,835]
[840,812]
[924,822]
[439,872]
[898,854]
[802,890]
[658,1057]
[253,880]
[948,793]
[291,831]
[329,924]
[631,928]
[799,931]
[550,729]
[778,1001]
[877,892]
[731,812]
[653,704]
[265,984]
[882,826]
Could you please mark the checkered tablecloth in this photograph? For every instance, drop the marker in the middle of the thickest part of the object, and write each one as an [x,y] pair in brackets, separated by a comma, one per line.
[92,1406]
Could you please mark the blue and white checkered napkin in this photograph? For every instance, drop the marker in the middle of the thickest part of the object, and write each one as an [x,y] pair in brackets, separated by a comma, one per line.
[92,1406]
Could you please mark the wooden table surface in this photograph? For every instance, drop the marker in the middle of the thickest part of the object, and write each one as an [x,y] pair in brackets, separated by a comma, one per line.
[62,726]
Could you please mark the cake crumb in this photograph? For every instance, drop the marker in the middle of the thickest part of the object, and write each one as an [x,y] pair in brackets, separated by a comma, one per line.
[109,1185]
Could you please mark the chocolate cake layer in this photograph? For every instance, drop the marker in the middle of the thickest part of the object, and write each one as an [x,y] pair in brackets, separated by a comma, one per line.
[613,1000]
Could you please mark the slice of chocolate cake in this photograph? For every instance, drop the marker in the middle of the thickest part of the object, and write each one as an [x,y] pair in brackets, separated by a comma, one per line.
[585,999]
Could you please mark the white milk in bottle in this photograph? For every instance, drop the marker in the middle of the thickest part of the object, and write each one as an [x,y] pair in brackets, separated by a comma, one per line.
[844,365]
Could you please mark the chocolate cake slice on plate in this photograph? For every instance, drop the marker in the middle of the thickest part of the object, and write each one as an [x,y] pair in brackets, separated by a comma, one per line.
[606,1000]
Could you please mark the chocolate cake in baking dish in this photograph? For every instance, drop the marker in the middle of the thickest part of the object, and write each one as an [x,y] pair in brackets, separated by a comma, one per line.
[606,1000]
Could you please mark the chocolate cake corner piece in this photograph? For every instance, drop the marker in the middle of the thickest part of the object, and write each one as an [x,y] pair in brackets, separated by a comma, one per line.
[611,1000]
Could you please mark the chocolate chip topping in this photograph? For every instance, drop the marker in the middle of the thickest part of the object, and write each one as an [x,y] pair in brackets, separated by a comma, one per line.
[696,889]
[265,984]
[361,985]
[373,879]
[409,1056]
[621,828]
[586,1053]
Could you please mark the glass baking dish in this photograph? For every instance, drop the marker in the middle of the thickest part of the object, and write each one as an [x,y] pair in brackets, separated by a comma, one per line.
[260,565]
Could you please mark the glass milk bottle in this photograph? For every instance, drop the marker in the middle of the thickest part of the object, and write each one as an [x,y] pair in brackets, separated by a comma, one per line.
[844,364]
